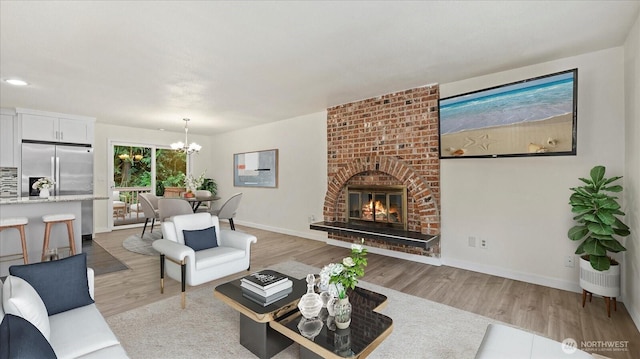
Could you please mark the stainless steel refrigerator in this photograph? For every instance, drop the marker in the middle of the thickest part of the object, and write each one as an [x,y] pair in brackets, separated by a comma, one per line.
[70,166]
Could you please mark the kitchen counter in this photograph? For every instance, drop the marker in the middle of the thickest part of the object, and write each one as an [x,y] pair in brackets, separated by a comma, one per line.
[33,208]
[67,198]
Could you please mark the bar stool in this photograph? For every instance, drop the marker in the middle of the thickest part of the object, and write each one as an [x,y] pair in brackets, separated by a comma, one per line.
[52,219]
[17,223]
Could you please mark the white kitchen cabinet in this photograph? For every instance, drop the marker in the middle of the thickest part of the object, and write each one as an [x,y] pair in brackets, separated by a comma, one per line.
[75,131]
[6,141]
[42,126]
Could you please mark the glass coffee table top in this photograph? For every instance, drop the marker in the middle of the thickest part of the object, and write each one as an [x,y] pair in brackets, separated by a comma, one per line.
[367,330]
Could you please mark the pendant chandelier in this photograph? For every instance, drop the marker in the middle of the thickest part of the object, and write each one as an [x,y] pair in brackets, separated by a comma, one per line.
[182,146]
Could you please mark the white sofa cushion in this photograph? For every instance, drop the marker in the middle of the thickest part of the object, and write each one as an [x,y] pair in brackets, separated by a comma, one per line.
[214,256]
[81,325]
[114,351]
[1,310]
[504,342]
[20,299]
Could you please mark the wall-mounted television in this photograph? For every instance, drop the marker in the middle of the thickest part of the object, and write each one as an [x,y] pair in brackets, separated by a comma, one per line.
[533,117]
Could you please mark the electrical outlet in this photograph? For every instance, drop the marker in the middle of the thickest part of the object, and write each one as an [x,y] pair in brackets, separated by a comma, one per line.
[472,241]
[569,261]
[483,244]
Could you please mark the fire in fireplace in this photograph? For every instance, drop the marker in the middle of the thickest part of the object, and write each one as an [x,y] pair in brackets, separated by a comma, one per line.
[377,205]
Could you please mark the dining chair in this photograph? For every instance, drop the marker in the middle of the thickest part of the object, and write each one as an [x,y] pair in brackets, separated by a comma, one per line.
[149,204]
[170,207]
[205,206]
[228,209]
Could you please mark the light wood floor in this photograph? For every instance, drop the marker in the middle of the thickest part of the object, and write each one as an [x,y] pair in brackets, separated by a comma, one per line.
[554,313]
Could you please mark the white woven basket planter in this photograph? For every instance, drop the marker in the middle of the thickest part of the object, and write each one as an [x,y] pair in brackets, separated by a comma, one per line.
[604,283]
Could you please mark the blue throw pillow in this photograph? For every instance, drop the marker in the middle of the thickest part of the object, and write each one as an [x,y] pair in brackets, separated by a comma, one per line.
[200,239]
[62,285]
[21,339]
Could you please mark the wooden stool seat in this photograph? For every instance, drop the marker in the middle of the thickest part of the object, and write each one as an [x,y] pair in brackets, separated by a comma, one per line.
[17,223]
[14,221]
[58,217]
[50,220]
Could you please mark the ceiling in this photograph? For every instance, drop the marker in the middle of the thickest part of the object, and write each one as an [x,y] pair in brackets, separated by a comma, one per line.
[231,65]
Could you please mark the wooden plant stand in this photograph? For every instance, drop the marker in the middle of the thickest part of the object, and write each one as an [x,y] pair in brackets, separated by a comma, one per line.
[607,301]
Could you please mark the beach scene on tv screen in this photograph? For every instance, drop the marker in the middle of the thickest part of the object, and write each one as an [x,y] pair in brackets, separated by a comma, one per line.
[534,116]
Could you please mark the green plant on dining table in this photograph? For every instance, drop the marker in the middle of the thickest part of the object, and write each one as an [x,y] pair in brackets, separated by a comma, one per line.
[193,183]
[210,185]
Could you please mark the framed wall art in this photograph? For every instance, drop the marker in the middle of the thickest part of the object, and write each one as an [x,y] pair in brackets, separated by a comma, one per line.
[256,169]
[533,117]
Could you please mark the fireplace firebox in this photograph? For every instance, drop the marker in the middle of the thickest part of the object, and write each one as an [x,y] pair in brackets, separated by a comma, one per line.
[384,206]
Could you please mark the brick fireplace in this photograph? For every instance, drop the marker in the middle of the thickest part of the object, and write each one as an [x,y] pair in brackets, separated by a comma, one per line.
[389,141]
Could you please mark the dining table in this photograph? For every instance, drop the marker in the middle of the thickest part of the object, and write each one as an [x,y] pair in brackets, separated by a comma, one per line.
[196,201]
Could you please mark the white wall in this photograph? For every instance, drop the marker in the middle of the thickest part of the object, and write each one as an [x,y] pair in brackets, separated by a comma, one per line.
[302,174]
[631,270]
[520,205]
[105,133]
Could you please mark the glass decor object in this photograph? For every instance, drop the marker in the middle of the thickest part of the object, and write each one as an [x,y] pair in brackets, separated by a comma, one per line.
[325,296]
[342,310]
[309,328]
[310,304]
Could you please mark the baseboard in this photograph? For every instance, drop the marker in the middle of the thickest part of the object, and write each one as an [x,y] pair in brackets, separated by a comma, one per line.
[101,230]
[319,236]
[515,275]
[635,316]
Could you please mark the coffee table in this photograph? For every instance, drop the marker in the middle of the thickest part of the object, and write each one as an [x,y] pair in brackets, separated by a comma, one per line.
[255,332]
[367,330]
[266,331]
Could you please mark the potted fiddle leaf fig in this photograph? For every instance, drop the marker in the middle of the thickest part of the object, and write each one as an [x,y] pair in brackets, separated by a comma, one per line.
[596,216]
[598,227]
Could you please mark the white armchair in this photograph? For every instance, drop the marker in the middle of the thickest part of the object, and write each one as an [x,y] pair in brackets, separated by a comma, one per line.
[182,263]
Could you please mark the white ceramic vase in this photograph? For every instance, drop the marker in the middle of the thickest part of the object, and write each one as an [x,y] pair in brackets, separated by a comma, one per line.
[44,193]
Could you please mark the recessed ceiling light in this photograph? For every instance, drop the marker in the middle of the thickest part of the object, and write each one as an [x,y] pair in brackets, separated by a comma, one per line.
[17,82]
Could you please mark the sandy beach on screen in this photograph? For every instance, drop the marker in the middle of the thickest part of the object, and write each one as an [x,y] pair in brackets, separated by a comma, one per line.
[551,135]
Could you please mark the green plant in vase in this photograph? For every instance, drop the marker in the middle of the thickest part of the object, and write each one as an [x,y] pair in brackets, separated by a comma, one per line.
[345,275]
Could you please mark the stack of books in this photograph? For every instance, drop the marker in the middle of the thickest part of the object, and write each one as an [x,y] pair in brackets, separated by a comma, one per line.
[266,287]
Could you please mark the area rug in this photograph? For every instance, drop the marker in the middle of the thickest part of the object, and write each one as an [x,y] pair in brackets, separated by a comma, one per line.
[139,245]
[100,259]
[208,328]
